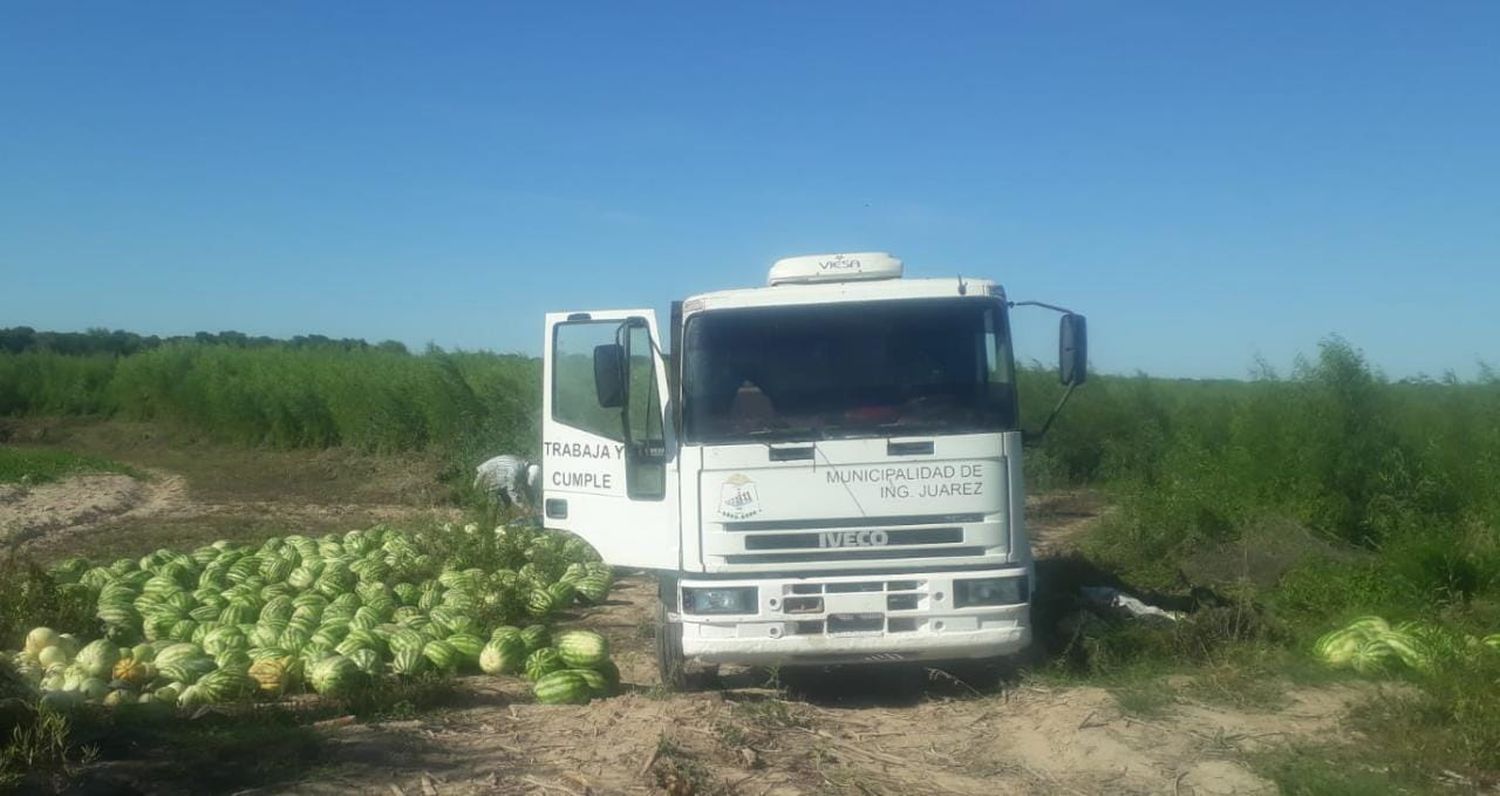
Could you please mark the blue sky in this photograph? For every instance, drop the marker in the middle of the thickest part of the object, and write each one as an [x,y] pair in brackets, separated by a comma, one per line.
[1209,182]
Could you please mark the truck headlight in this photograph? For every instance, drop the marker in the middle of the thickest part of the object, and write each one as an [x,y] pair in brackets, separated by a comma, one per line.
[735,600]
[989,591]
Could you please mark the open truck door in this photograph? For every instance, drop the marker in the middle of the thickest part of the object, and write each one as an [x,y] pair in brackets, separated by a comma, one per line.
[609,458]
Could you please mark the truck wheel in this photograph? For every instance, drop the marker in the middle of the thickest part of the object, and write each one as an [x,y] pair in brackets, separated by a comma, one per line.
[671,666]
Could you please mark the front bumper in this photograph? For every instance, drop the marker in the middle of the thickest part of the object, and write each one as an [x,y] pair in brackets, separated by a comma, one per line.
[888,617]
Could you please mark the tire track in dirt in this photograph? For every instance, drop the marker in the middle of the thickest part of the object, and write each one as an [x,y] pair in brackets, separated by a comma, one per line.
[45,518]
[83,502]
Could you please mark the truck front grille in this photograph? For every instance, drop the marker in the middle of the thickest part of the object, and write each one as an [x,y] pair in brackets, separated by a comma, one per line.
[826,609]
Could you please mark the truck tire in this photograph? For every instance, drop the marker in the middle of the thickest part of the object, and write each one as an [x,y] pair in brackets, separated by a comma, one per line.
[671,666]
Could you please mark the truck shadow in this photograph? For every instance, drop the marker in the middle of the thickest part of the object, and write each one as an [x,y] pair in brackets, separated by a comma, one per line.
[1059,610]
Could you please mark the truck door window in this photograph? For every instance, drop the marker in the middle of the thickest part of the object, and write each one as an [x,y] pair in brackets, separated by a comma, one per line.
[645,474]
[574,398]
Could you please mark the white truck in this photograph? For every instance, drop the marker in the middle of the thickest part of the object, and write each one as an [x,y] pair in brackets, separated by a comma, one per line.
[825,470]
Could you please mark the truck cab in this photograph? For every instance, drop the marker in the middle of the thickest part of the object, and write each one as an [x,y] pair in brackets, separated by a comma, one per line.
[823,470]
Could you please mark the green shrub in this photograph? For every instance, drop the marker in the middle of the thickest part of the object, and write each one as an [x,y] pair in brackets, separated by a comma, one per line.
[29,597]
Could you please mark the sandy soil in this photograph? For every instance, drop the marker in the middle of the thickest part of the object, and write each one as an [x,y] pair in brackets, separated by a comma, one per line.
[61,516]
[81,502]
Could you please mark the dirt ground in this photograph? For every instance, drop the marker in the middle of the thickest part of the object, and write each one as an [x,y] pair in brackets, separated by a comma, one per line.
[871,732]
[104,514]
[196,491]
[856,731]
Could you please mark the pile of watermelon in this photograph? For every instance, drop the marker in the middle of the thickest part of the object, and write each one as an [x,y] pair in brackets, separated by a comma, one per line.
[331,615]
[571,669]
[1370,645]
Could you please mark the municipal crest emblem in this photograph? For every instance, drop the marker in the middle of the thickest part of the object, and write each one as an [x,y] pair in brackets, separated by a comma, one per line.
[738,498]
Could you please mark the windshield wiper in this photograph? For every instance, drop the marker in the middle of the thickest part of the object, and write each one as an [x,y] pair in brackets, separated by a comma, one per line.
[900,428]
[788,434]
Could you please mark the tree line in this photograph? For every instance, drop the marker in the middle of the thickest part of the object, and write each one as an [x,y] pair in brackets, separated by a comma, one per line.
[118,342]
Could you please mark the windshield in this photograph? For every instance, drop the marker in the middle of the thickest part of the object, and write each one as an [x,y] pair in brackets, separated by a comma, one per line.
[851,369]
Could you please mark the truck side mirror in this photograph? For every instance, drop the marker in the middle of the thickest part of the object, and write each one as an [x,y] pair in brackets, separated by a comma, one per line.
[609,375]
[1073,349]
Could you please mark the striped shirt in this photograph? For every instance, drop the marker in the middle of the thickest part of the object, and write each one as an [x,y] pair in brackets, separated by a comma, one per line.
[507,477]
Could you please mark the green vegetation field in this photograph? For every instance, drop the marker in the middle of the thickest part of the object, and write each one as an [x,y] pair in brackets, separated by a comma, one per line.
[41,465]
[1276,508]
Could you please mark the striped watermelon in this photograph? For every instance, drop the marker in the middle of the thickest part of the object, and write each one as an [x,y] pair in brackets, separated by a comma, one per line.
[336,676]
[563,593]
[384,606]
[1372,657]
[186,671]
[349,645]
[367,660]
[223,685]
[575,572]
[535,637]
[541,603]
[98,658]
[266,634]
[331,634]
[503,656]
[449,619]
[1368,624]
[442,655]
[611,674]
[582,649]
[543,662]
[269,653]
[463,580]
[408,662]
[460,600]
[1409,649]
[272,591]
[180,600]
[562,687]
[405,614]
[1338,647]
[468,646]
[365,618]
[302,577]
[183,630]
[594,587]
[367,638]
[233,661]
[223,639]
[194,696]
[294,637]
[119,615]
[407,593]
[505,630]
[598,684]
[311,600]
[405,639]
[277,609]
[313,652]
[237,611]
[173,653]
